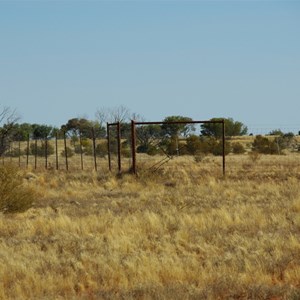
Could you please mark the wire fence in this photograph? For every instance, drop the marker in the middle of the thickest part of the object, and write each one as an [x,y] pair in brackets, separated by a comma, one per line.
[115,153]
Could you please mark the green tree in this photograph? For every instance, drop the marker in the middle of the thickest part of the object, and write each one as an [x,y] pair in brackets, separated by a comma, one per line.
[174,130]
[82,126]
[41,132]
[148,137]
[22,131]
[232,128]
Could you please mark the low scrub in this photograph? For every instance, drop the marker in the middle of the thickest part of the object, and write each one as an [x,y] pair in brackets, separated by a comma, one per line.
[15,196]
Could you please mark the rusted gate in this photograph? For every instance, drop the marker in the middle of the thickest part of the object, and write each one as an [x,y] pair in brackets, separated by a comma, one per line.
[133,137]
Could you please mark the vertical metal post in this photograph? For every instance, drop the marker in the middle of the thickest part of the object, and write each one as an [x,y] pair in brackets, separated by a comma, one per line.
[94,149]
[81,152]
[56,150]
[108,146]
[66,153]
[223,138]
[46,153]
[133,145]
[10,151]
[27,152]
[19,153]
[119,146]
[35,153]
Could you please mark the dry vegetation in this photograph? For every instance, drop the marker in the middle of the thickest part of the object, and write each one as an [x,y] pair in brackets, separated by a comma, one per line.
[181,233]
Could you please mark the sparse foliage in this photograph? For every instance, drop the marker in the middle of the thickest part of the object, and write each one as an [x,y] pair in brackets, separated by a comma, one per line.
[238,148]
[265,146]
[14,195]
[8,119]
[232,128]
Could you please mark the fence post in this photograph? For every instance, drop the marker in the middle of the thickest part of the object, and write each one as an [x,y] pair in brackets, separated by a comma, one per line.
[27,152]
[56,150]
[81,152]
[223,134]
[108,146]
[66,153]
[35,153]
[94,148]
[46,153]
[10,152]
[133,144]
[19,153]
[119,146]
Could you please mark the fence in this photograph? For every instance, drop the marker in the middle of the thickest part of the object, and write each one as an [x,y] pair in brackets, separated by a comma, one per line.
[120,146]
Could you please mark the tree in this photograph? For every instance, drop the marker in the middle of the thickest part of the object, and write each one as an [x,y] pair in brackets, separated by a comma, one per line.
[148,135]
[174,130]
[276,132]
[41,132]
[82,126]
[232,128]
[113,115]
[8,119]
[21,132]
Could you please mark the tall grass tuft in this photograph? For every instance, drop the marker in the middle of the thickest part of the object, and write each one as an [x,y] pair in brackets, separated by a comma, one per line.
[15,196]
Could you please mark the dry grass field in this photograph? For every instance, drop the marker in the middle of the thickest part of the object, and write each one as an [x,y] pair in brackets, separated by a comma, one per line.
[184,232]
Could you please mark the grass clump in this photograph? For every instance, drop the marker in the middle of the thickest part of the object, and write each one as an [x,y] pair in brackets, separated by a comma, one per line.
[15,196]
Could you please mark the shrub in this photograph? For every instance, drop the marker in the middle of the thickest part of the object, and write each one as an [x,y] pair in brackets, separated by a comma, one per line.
[194,144]
[238,148]
[41,149]
[264,145]
[217,150]
[70,152]
[101,149]
[14,195]
[14,152]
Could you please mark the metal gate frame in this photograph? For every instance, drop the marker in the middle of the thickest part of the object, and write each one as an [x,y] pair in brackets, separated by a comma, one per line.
[133,138]
[118,125]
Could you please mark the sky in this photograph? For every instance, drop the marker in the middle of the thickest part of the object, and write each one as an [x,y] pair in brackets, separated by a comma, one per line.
[201,59]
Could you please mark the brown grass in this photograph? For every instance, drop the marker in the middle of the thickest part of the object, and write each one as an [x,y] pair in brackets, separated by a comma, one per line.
[184,232]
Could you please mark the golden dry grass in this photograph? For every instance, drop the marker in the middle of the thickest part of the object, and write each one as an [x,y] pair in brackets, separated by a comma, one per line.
[184,232]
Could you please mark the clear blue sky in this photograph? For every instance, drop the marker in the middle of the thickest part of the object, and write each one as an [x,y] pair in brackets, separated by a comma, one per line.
[202,59]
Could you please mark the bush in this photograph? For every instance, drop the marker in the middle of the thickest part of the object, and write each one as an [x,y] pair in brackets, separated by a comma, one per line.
[101,149]
[14,152]
[264,145]
[14,195]
[217,150]
[70,152]
[238,148]
[194,144]
[41,149]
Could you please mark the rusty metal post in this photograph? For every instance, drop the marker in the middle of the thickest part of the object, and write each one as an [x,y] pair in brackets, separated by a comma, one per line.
[223,139]
[10,151]
[27,152]
[56,150]
[46,153]
[119,146]
[35,154]
[94,149]
[66,153]
[133,145]
[108,146]
[81,152]
[19,153]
